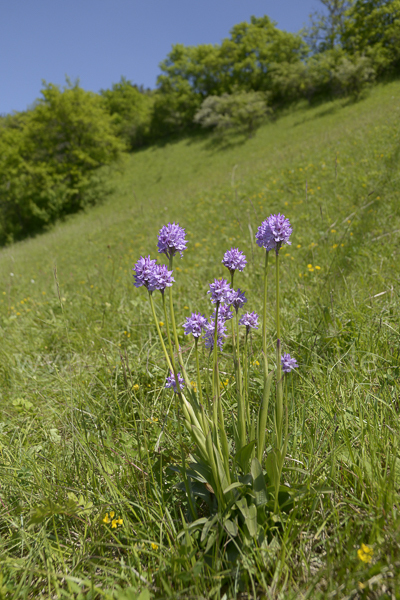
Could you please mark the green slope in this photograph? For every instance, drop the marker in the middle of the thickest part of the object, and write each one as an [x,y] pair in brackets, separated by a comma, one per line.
[333,170]
[218,195]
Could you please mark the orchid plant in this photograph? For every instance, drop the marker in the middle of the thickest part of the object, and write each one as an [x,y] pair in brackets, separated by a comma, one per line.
[244,482]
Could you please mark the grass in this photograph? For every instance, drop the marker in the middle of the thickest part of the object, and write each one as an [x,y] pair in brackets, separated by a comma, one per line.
[86,426]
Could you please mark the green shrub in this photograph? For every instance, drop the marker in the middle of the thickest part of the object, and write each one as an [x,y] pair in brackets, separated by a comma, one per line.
[131,109]
[372,28]
[351,76]
[175,105]
[242,112]
[48,156]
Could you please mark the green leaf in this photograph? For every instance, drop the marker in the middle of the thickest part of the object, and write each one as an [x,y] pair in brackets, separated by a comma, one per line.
[234,485]
[223,479]
[200,440]
[243,456]
[231,527]
[271,467]
[201,471]
[192,526]
[250,515]
[50,508]
[259,487]
[207,526]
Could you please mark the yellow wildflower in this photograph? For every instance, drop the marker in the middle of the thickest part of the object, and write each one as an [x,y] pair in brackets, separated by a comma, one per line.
[120,521]
[136,387]
[309,266]
[114,523]
[317,267]
[154,546]
[106,519]
[333,230]
[161,323]
[112,513]
[365,553]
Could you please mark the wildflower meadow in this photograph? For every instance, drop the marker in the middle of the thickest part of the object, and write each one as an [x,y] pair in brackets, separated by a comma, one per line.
[199,378]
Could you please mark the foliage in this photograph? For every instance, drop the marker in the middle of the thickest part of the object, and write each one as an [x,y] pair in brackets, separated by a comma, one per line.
[326,28]
[131,109]
[351,76]
[241,112]
[48,157]
[241,62]
[174,107]
[372,27]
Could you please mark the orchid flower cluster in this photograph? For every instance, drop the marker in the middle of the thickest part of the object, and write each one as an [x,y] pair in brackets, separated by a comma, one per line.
[206,421]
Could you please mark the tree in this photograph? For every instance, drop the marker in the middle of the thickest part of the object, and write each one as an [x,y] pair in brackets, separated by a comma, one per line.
[131,109]
[352,75]
[327,27]
[241,112]
[49,156]
[175,105]
[372,28]
[243,62]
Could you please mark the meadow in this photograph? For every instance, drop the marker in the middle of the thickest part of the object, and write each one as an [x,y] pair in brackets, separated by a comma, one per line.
[87,427]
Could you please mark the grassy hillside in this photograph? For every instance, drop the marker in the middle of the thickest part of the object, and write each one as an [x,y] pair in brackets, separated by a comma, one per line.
[83,410]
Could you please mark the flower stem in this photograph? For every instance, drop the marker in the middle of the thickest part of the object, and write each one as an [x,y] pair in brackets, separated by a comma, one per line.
[218,416]
[279,390]
[233,329]
[264,331]
[168,333]
[246,376]
[174,330]
[175,371]
[215,356]
[263,413]
[159,333]
[196,351]
[241,406]
[188,490]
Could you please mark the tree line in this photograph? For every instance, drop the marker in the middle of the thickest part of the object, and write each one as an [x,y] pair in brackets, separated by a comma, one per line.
[50,154]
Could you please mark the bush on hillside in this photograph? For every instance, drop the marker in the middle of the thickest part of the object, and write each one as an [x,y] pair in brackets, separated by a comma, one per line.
[372,28]
[131,109]
[324,75]
[242,112]
[352,76]
[174,108]
[242,62]
[48,158]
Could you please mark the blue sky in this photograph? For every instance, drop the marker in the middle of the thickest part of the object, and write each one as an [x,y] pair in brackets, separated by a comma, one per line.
[100,40]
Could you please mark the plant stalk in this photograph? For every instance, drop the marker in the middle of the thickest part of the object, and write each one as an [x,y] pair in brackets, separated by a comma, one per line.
[279,387]
[159,333]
